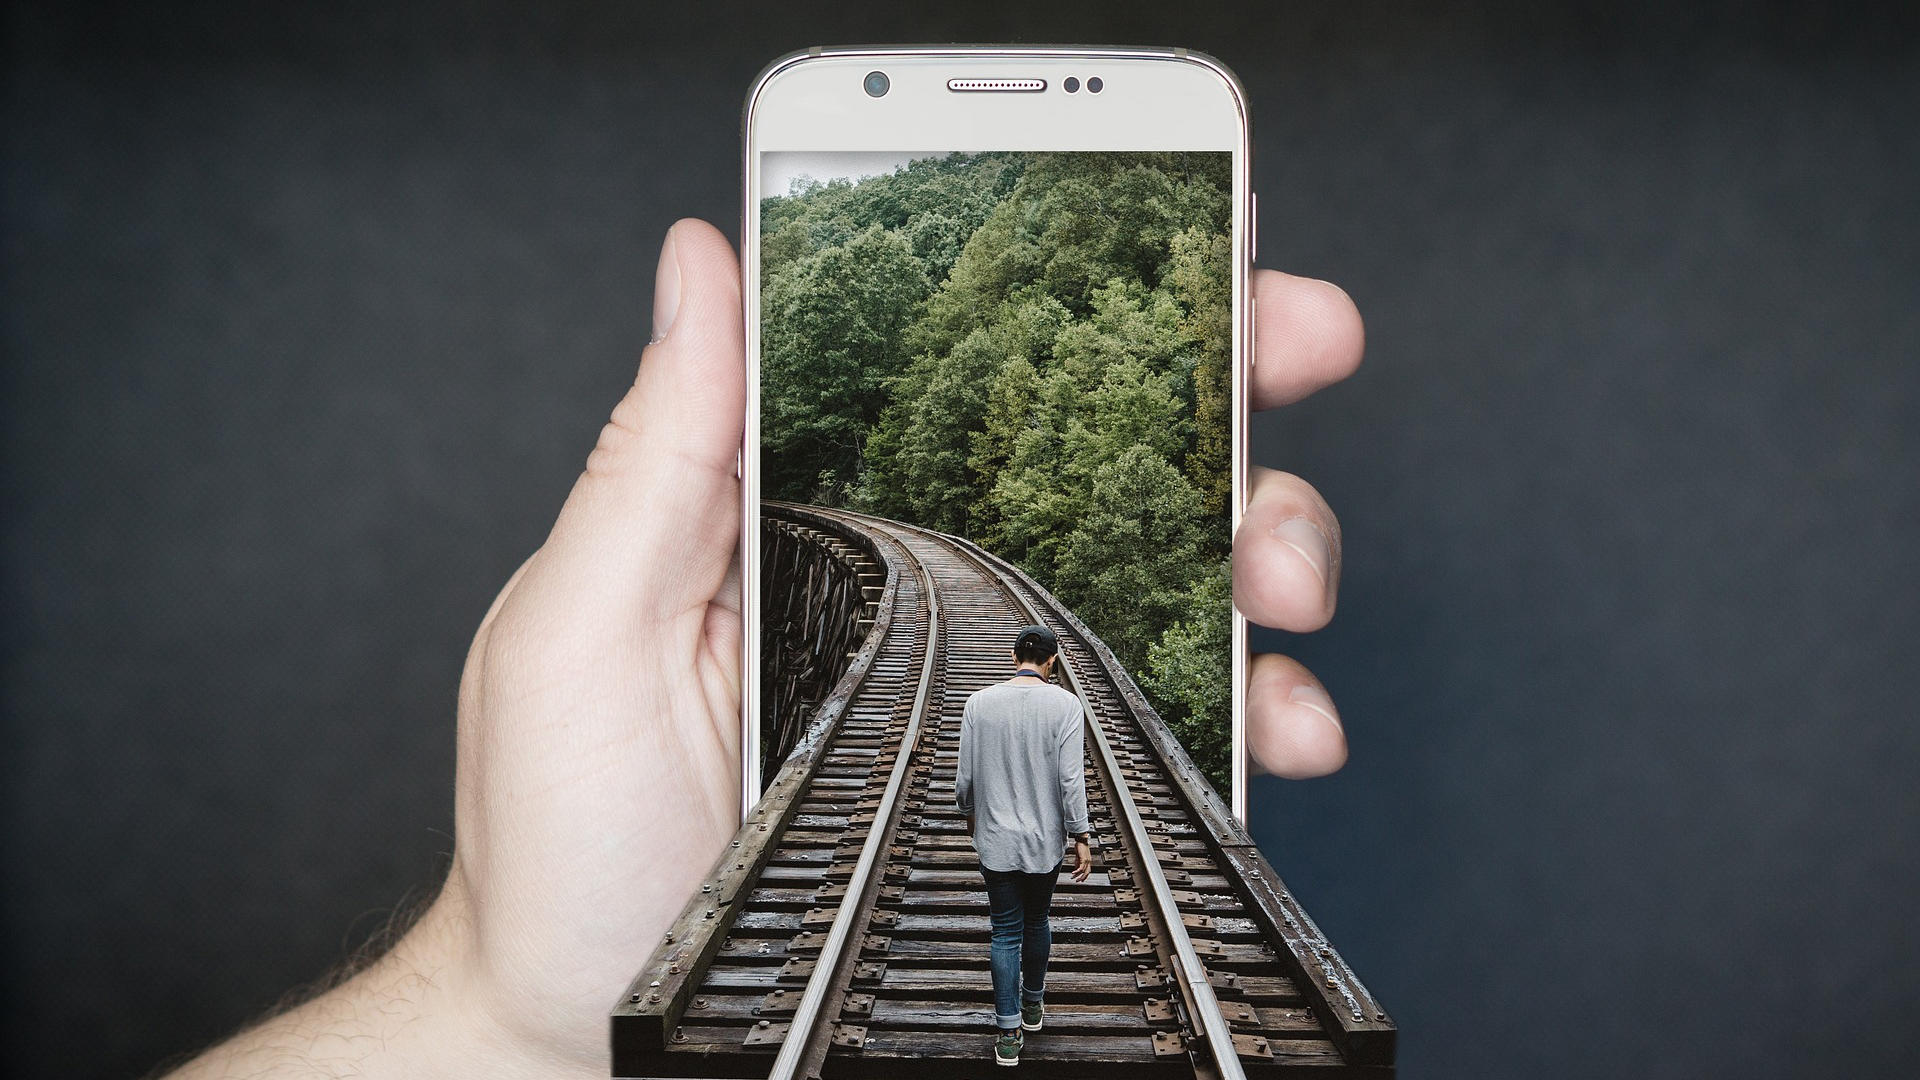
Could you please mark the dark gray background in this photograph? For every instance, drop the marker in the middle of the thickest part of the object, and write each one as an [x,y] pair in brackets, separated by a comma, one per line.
[312,314]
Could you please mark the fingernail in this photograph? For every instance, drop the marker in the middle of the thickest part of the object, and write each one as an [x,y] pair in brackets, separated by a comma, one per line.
[666,290]
[1316,699]
[1305,537]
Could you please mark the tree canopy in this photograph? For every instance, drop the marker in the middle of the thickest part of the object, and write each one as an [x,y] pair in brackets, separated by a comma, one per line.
[1030,350]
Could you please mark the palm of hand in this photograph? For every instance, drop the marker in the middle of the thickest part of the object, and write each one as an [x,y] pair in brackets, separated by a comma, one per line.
[590,799]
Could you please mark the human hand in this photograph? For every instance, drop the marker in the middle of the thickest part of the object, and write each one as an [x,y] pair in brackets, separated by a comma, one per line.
[1082,860]
[597,775]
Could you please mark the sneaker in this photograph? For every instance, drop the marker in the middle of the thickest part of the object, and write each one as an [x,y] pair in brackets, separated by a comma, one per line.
[1031,1014]
[1006,1048]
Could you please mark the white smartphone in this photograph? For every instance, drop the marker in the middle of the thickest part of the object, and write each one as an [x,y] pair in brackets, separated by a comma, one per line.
[998,336]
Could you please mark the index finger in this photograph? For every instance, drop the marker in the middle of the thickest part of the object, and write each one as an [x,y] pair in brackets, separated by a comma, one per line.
[1306,335]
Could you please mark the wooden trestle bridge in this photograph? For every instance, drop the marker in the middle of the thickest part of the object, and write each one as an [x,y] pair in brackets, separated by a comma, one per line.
[844,931]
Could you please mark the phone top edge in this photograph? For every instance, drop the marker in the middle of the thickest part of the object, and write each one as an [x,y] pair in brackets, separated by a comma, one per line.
[984,50]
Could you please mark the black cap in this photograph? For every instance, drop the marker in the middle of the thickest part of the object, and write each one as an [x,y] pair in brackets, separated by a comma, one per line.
[1037,639]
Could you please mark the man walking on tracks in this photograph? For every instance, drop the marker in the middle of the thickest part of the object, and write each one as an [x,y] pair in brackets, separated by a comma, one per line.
[1022,784]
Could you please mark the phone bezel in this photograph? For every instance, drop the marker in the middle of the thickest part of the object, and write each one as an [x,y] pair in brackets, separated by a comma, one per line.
[819,121]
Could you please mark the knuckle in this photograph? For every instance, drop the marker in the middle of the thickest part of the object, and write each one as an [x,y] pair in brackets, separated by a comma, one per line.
[617,438]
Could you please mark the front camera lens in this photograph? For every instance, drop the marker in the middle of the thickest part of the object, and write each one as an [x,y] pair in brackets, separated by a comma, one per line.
[1072,84]
[1094,84]
[876,84]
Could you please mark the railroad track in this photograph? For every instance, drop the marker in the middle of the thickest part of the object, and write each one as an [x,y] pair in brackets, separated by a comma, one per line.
[844,932]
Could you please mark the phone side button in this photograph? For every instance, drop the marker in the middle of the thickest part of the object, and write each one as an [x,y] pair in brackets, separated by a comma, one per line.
[1253,226]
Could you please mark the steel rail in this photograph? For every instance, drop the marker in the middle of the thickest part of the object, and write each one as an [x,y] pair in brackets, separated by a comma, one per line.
[808,1013]
[1193,973]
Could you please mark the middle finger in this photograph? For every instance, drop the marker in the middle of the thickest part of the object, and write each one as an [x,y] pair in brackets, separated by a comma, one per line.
[1286,556]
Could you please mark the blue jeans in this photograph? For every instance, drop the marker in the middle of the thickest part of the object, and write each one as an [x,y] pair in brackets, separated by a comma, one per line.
[1021,938]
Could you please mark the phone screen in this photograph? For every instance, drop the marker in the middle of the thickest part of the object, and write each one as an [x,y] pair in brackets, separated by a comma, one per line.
[1029,350]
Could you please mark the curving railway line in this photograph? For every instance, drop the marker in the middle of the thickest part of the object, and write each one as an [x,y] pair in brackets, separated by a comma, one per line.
[844,931]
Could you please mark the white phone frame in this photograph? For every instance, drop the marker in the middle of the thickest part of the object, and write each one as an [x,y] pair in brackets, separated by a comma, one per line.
[1152,99]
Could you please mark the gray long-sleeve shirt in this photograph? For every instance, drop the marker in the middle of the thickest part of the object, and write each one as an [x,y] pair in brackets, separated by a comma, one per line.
[1022,774]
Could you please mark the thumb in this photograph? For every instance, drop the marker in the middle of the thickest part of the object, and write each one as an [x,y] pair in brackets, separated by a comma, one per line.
[651,525]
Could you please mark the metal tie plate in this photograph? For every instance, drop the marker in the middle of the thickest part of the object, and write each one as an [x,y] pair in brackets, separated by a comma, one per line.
[851,1035]
[765,1033]
[1252,1046]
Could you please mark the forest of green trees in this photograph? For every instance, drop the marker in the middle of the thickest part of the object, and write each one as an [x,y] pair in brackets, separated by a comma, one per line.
[1030,350]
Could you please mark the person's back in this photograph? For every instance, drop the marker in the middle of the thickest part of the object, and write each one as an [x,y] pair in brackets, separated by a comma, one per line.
[1022,784]
[1021,750]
